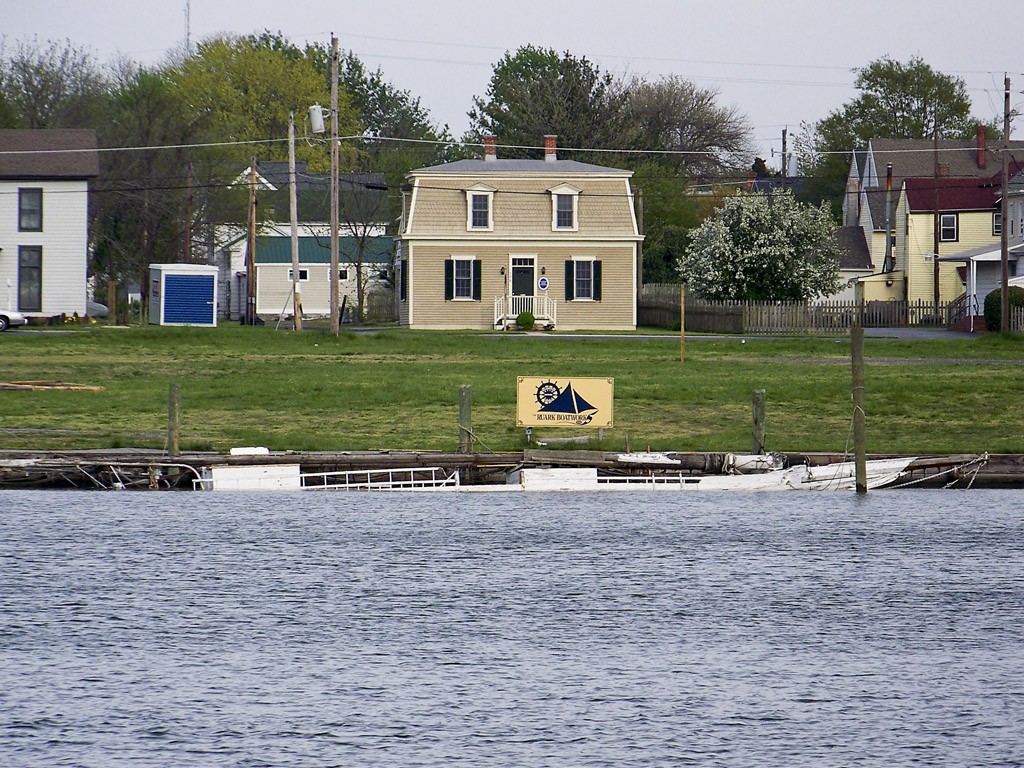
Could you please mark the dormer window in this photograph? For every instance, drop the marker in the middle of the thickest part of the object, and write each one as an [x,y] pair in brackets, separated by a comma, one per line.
[564,208]
[480,208]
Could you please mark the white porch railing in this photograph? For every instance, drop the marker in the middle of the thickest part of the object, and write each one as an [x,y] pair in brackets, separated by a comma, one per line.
[507,308]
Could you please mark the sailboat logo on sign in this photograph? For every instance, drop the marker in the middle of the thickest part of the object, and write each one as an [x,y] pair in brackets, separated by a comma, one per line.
[563,405]
[556,402]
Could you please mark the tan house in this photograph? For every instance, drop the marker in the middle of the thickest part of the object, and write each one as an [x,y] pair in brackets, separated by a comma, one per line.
[484,240]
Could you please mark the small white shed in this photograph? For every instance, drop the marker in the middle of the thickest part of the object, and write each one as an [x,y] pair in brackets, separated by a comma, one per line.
[183,294]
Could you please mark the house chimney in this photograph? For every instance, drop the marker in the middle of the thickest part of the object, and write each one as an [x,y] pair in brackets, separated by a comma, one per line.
[490,148]
[982,149]
[550,153]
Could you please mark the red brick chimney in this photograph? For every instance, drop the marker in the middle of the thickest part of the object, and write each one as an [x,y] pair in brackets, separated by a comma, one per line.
[490,148]
[550,151]
[982,149]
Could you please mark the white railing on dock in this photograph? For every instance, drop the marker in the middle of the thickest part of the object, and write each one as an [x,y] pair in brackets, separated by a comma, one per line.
[423,478]
[507,308]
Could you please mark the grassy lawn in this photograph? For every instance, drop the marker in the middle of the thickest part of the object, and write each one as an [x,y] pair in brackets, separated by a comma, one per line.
[398,389]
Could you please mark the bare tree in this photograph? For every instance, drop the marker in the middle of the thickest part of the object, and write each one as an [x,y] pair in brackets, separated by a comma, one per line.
[52,85]
[674,114]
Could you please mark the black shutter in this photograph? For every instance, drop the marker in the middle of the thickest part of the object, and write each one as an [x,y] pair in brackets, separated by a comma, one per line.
[403,280]
[449,280]
[476,279]
[597,280]
[570,281]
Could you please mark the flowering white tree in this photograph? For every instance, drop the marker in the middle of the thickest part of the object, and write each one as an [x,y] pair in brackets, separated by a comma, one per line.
[761,247]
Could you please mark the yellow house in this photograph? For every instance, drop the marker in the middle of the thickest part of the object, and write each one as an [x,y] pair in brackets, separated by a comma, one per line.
[484,240]
[968,217]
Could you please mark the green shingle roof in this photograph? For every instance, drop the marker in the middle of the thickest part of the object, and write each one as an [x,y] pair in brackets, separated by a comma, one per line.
[317,250]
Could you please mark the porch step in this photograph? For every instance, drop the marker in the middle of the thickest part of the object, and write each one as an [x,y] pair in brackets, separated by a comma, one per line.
[963,325]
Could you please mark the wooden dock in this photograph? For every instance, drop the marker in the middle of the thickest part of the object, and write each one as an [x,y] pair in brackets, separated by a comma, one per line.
[139,469]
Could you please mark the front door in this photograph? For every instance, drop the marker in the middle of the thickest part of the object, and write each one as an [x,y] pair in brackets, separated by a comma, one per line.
[522,285]
[522,276]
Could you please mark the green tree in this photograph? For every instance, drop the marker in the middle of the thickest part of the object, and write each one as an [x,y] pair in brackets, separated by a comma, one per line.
[50,85]
[241,89]
[138,205]
[761,247]
[896,101]
[669,213]
[537,91]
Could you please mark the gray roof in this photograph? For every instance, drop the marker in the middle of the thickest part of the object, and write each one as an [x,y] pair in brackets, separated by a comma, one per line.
[276,173]
[48,154]
[915,158]
[855,253]
[876,204]
[556,167]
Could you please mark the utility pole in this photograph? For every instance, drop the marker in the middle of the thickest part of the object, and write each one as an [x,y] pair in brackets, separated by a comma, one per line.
[294,214]
[188,213]
[888,265]
[1004,207]
[335,318]
[250,250]
[784,169]
[935,220]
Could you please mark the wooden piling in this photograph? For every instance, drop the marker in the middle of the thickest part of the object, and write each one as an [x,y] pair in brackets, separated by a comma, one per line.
[859,423]
[465,418]
[174,420]
[760,397]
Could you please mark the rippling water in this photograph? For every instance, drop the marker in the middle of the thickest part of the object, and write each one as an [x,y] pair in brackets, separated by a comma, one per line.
[180,629]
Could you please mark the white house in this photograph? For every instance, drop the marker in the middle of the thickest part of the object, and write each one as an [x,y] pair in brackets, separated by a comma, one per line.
[363,219]
[44,219]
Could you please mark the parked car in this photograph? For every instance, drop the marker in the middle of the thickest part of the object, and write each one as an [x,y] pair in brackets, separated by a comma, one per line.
[11,319]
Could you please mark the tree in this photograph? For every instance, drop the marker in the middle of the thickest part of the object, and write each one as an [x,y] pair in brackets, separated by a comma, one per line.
[50,85]
[675,115]
[537,91]
[762,247]
[670,211]
[138,201]
[896,101]
[241,89]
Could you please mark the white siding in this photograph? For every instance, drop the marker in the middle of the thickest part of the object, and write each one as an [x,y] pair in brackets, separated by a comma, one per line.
[64,242]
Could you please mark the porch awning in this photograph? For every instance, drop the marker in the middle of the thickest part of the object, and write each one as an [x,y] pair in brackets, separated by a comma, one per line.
[987,252]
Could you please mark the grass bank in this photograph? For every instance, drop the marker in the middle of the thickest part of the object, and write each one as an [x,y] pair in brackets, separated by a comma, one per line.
[397,389]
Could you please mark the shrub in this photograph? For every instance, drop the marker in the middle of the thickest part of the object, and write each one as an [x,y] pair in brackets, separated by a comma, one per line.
[526,321]
[994,306]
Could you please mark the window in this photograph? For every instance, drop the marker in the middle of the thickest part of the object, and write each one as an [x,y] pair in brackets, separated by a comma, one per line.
[462,280]
[30,210]
[479,205]
[30,278]
[565,212]
[563,207]
[403,280]
[583,280]
[948,228]
[303,275]
[343,274]
[997,224]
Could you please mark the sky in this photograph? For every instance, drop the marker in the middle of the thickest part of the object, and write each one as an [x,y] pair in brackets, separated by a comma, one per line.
[782,63]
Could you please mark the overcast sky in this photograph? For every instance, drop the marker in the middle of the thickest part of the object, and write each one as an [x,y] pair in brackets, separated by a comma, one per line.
[781,63]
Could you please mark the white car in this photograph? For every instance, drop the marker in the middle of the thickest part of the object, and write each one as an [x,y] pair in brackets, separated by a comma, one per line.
[11,319]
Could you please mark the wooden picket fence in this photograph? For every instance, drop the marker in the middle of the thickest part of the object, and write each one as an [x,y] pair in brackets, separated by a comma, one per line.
[659,307]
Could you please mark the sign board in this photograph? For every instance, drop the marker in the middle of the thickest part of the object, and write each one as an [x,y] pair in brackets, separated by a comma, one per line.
[568,402]
[543,283]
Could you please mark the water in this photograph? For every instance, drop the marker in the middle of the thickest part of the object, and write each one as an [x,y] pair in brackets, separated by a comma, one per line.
[178,629]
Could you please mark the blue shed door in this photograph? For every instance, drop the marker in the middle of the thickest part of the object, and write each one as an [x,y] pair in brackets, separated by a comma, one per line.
[188,299]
